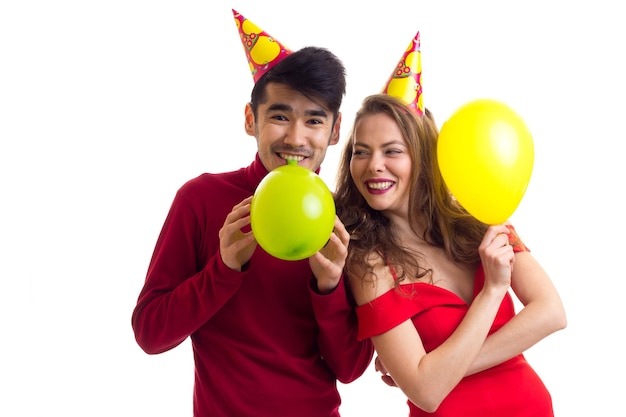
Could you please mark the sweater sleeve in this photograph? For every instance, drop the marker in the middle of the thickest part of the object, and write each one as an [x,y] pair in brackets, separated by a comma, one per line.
[178,295]
[347,356]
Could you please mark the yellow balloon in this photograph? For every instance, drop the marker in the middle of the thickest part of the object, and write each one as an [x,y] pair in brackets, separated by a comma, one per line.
[486,154]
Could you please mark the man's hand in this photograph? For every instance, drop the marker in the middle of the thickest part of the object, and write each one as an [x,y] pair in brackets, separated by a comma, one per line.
[237,247]
[327,264]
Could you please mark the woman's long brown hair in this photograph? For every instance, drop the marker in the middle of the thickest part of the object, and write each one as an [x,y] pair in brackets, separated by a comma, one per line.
[445,223]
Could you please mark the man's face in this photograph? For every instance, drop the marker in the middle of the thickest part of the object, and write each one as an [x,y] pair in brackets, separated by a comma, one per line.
[290,126]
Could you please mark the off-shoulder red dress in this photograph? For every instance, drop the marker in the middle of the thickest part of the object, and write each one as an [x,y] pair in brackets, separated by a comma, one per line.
[510,389]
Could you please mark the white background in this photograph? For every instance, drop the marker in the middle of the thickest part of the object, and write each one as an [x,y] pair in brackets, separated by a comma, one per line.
[107,107]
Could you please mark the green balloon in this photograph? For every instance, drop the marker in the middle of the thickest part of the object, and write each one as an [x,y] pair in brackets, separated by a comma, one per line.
[292,213]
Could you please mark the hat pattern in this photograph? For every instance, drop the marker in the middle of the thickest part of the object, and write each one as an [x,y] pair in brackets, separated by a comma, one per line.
[262,50]
[405,82]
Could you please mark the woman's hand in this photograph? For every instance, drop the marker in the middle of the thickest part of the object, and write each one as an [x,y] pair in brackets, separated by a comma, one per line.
[497,256]
[387,379]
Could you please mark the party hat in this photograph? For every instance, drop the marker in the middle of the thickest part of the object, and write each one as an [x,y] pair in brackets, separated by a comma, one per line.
[405,82]
[262,50]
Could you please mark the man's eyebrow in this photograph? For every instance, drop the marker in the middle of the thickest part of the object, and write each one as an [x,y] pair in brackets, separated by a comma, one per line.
[288,108]
[280,107]
[319,113]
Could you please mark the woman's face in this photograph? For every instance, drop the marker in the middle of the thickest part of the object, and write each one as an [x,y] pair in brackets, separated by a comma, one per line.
[381,164]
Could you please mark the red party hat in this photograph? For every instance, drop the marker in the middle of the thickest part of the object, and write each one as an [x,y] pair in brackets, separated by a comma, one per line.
[405,82]
[262,50]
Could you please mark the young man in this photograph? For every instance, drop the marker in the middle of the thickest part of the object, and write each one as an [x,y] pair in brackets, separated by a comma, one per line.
[270,337]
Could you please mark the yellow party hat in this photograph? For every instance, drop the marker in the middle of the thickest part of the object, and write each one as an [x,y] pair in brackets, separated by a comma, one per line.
[262,50]
[405,82]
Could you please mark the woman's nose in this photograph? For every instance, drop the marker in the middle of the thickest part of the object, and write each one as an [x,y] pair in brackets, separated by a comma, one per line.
[377,163]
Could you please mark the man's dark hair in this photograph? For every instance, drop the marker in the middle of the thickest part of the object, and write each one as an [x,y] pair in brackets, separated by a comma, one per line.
[313,71]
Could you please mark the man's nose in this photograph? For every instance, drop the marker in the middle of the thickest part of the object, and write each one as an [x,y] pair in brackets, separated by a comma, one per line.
[296,134]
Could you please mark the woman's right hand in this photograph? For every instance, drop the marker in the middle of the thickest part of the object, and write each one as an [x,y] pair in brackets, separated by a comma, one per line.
[497,257]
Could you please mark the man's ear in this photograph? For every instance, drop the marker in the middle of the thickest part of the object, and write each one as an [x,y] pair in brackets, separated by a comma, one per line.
[249,120]
[336,133]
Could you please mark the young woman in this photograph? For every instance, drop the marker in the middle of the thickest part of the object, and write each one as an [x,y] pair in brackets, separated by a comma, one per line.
[432,282]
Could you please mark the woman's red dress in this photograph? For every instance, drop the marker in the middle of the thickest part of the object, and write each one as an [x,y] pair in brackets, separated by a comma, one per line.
[510,389]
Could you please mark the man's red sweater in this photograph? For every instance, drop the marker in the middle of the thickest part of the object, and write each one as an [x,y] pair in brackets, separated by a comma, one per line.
[265,343]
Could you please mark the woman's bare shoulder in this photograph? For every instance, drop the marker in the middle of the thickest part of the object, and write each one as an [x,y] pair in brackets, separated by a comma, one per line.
[368,284]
